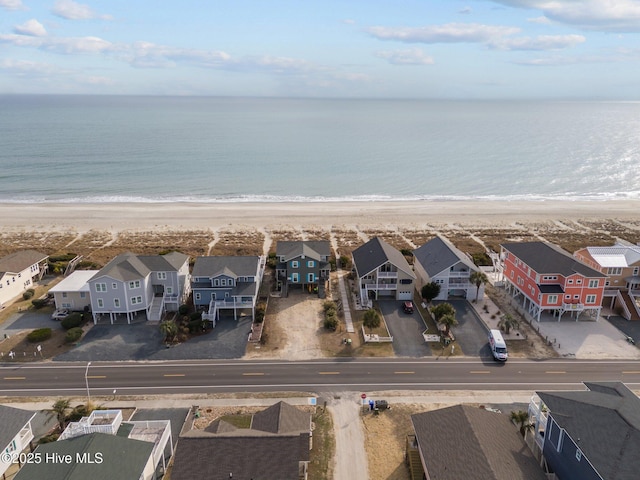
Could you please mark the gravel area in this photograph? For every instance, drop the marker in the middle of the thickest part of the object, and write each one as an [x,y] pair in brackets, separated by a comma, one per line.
[351,457]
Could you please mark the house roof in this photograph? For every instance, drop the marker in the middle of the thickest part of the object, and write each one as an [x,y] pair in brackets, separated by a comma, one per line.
[216,457]
[438,255]
[282,418]
[550,288]
[377,252]
[546,258]
[615,256]
[12,420]
[129,266]
[18,261]
[474,444]
[76,282]
[604,421]
[231,266]
[314,249]
[121,458]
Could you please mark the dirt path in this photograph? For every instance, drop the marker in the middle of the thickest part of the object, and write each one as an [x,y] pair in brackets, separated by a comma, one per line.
[351,457]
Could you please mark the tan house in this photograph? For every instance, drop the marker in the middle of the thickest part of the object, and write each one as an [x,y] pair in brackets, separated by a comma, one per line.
[621,264]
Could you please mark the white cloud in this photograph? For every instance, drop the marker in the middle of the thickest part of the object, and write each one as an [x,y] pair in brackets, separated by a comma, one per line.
[448,33]
[26,67]
[12,4]
[413,56]
[349,21]
[64,45]
[31,27]
[465,11]
[542,42]
[76,11]
[603,15]
[541,20]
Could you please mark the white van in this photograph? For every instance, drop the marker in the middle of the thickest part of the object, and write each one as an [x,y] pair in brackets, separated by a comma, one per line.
[497,345]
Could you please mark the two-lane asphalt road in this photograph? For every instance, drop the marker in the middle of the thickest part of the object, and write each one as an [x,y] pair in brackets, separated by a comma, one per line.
[317,375]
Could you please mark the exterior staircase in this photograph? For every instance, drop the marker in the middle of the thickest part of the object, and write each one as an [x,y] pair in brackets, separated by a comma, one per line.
[630,307]
[157,309]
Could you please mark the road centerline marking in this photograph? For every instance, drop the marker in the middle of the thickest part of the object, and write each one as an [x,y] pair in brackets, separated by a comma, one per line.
[558,372]
[97,376]
[404,373]
[479,371]
[15,378]
[174,375]
[630,372]
[328,373]
[255,374]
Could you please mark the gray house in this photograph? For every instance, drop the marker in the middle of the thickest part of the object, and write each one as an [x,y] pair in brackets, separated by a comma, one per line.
[440,262]
[589,435]
[226,283]
[382,271]
[15,435]
[130,284]
[303,263]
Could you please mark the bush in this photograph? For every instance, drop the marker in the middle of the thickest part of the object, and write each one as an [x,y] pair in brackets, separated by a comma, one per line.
[345,262]
[26,295]
[73,335]
[72,321]
[195,316]
[183,309]
[39,335]
[331,322]
[196,326]
[38,303]
[329,305]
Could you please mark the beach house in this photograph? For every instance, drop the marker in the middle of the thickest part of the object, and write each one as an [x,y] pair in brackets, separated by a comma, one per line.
[19,271]
[230,283]
[440,262]
[591,434]
[621,264]
[132,284]
[72,292]
[382,271]
[303,264]
[550,281]
[15,436]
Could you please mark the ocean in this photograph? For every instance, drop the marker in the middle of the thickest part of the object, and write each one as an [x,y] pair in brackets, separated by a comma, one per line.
[208,149]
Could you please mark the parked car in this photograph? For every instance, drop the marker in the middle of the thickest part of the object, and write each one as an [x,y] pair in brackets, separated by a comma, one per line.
[407,307]
[59,314]
[381,405]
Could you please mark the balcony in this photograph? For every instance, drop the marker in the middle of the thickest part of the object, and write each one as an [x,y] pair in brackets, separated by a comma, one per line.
[459,274]
[573,307]
[381,286]
[387,274]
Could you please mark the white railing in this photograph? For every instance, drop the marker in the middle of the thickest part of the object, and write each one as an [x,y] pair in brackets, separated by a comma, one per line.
[381,286]
[375,338]
[634,292]
[574,307]
[459,274]
[387,274]
[231,303]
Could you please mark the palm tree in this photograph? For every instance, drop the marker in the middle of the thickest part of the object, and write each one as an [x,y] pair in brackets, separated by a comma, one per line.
[60,408]
[478,278]
[448,320]
[169,329]
[441,310]
[508,322]
[371,319]
[522,419]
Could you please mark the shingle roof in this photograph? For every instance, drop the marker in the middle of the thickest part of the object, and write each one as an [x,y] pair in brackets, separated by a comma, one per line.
[463,442]
[12,420]
[313,249]
[282,418]
[376,252]
[128,266]
[232,266]
[605,423]
[546,258]
[121,458]
[16,262]
[215,457]
[170,262]
[438,255]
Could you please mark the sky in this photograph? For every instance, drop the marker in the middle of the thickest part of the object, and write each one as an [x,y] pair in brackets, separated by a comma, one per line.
[474,49]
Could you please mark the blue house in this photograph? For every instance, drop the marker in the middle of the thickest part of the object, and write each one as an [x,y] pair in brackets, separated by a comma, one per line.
[588,435]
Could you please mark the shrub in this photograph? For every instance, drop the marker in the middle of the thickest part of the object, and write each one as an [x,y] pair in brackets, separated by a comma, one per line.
[195,316]
[39,335]
[331,322]
[72,321]
[73,335]
[39,303]
[260,312]
[329,305]
[344,262]
[26,295]
[196,325]
[183,309]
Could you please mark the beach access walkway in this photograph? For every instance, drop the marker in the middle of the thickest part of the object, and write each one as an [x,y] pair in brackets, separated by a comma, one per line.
[345,301]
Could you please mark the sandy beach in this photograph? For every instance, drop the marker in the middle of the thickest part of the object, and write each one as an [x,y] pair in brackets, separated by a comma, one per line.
[146,216]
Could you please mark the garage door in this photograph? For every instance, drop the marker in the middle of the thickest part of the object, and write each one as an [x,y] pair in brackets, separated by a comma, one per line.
[405,295]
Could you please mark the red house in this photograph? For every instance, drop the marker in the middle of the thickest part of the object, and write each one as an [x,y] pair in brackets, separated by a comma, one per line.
[550,279]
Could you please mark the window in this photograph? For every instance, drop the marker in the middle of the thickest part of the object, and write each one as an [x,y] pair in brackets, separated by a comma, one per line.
[213,296]
[197,296]
[310,277]
[294,264]
[579,281]
[100,303]
[568,297]
[614,271]
[295,277]
[594,283]
[552,299]
[114,286]
[311,264]
[591,299]
[570,281]
[405,281]
[136,300]
[606,283]
[578,454]
[64,294]
[66,305]
[636,270]
[83,294]
[101,287]
[162,275]
[116,302]
[216,283]
[134,284]
[223,282]
[169,290]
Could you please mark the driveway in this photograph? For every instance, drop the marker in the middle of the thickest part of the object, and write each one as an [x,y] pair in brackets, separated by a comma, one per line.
[406,330]
[631,329]
[144,342]
[28,320]
[470,333]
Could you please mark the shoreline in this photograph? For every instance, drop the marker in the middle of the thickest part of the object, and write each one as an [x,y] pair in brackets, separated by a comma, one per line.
[144,216]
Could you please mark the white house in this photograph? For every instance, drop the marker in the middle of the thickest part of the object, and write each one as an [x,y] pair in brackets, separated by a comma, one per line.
[440,262]
[19,271]
[15,434]
[72,293]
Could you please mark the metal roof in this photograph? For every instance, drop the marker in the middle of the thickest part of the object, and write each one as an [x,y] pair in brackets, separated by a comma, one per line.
[76,282]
